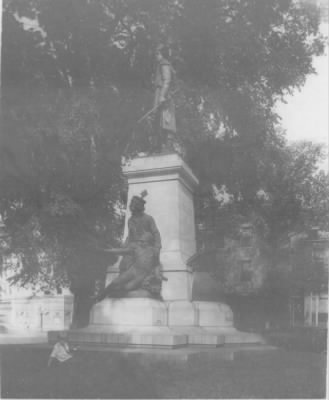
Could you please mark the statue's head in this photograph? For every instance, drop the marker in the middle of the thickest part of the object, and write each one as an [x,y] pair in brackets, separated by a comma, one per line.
[137,205]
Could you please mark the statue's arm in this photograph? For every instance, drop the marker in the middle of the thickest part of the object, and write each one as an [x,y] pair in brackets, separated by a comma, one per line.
[128,238]
[121,251]
[156,235]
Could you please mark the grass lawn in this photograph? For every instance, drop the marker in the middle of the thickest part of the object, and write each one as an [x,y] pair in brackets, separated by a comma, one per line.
[106,374]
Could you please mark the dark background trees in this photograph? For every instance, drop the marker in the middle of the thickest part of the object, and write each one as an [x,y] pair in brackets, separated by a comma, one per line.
[77,75]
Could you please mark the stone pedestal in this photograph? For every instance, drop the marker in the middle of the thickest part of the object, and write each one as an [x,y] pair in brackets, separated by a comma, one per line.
[170,184]
[136,312]
[176,321]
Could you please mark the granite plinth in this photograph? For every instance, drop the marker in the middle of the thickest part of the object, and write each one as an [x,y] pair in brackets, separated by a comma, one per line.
[182,313]
[129,311]
[119,336]
[199,337]
[212,314]
[144,322]
[170,184]
[234,336]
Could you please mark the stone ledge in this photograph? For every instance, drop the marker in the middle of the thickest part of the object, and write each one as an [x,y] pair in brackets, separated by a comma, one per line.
[199,337]
[206,340]
[122,339]
[233,336]
[162,167]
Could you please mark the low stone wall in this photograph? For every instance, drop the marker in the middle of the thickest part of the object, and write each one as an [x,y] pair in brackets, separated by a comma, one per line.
[5,310]
[40,313]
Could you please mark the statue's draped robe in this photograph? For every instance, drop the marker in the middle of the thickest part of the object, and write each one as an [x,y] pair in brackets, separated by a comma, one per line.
[137,226]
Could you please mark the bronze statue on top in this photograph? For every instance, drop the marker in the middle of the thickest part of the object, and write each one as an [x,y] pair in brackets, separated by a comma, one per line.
[165,119]
[162,114]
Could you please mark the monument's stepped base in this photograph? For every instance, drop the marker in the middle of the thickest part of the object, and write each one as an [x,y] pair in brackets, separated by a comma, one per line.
[162,338]
[146,322]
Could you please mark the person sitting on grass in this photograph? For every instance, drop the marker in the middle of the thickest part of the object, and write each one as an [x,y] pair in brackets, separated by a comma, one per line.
[144,263]
[61,352]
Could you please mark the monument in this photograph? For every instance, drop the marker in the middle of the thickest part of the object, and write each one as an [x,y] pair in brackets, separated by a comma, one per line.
[128,312]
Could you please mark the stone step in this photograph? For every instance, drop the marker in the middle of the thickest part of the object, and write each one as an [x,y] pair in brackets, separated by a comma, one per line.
[124,339]
[161,337]
[180,356]
[233,336]
[244,337]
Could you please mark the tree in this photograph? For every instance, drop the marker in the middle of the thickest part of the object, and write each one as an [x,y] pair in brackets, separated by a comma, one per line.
[74,87]
[65,204]
[291,200]
[308,274]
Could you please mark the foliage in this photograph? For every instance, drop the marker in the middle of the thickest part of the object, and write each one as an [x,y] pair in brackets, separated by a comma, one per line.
[242,269]
[309,263]
[234,57]
[74,87]
[62,202]
[291,198]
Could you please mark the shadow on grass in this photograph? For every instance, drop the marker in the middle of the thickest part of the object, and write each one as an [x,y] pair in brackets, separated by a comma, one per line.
[300,339]
[105,374]
[90,375]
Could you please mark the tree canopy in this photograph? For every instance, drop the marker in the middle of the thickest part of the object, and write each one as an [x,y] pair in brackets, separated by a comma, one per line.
[77,75]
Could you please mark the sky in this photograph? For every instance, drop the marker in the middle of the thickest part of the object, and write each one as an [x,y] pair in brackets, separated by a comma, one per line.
[305,116]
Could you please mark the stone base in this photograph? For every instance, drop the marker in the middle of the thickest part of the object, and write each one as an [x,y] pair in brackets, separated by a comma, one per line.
[170,184]
[165,338]
[199,337]
[233,336]
[145,322]
[124,338]
[133,312]
[212,314]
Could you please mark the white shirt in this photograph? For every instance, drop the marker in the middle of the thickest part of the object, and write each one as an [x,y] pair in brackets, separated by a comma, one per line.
[61,352]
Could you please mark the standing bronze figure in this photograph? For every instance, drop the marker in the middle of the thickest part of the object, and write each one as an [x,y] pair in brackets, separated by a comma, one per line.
[165,120]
